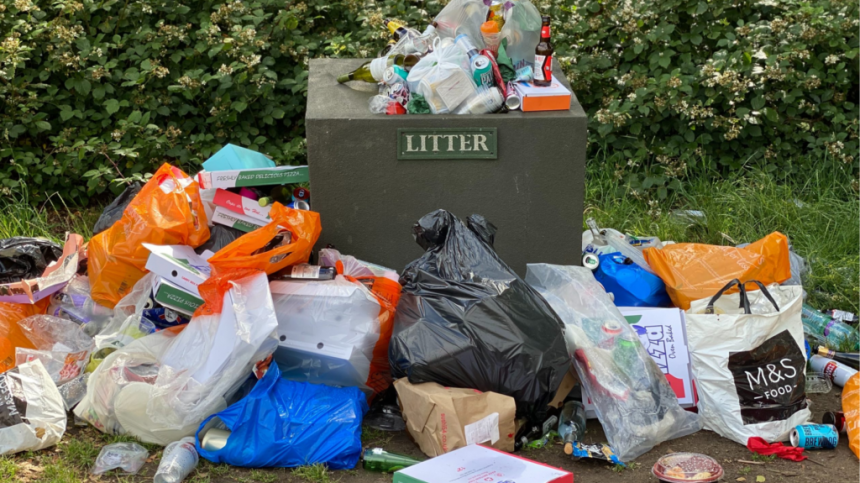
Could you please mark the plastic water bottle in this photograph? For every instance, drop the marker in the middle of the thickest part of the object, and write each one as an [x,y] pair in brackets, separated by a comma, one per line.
[179,460]
[571,424]
[838,335]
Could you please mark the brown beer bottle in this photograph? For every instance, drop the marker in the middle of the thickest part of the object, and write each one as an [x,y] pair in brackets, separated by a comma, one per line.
[543,56]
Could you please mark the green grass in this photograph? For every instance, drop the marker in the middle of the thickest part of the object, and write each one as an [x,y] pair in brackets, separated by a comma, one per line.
[819,213]
[50,220]
[317,473]
[763,458]
[8,468]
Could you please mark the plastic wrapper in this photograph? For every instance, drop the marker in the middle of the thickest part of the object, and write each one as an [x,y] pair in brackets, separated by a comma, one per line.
[74,391]
[74,303]
[749,364]
[335,332]
[287,240]
[465,17]
[634,402]
[24,257]
[128,457]
[113,212]
[160,387]
[11,336]
[522,32]
[32,415]
[851,408]
[283,423]
[60,344]
[693,271]
[465,319]
[167,211]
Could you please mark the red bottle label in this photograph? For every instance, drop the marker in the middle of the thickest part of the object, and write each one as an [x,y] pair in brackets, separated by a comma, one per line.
[543,67]
[544,32]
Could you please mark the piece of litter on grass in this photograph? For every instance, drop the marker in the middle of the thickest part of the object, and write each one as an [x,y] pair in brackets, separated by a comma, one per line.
[759,479]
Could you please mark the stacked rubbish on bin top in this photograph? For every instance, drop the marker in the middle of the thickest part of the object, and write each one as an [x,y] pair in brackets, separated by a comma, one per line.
[475,57]
[194,320]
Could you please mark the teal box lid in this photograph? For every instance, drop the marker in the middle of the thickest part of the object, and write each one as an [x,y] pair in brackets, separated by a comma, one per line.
[232,157]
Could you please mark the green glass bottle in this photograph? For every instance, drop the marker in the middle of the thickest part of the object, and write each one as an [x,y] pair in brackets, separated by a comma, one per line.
[377,459]
[371,71]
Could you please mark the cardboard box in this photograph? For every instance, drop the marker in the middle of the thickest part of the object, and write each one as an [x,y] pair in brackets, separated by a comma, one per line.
[176,298]
[253,177]
[223,216]
[570,380]
[236,157]
[554,97]
[442,419]
[242,205]
[475,463]
[178,264]
[53,279]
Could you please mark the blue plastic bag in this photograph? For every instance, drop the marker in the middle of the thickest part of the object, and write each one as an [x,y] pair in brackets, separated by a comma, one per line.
[283,423]
[631,284]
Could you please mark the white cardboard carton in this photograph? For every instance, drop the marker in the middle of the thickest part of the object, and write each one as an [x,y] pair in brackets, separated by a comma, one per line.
[179,265]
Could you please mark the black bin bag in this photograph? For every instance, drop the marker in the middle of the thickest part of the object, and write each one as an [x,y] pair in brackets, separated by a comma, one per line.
[465,319]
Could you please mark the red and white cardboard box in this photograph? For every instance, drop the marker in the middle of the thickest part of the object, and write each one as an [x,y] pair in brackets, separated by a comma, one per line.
[242,205]
[53,279]
[480,464]
[230,218]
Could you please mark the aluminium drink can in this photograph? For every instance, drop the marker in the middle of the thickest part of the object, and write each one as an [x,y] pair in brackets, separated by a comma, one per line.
[836,419]
[814,436]
[482,71]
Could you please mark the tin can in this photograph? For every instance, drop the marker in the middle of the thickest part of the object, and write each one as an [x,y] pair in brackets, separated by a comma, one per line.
[836,419]
[512,100]
[399,92]
[214,439]
[814,436]
[482,71]
[394,75]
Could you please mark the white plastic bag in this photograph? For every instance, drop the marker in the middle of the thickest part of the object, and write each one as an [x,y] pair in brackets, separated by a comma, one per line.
[443,77]
[465,17]
[603,241]
[125,325]
[160,387]
[634,402]
[61,345]
[31,409]
[749,363]
[522,31]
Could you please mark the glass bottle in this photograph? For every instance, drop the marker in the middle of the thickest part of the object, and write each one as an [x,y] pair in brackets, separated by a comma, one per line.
[543,56]
[372,71]
[377,459]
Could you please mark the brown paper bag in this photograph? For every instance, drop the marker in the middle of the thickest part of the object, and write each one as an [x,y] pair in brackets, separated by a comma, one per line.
[442,419]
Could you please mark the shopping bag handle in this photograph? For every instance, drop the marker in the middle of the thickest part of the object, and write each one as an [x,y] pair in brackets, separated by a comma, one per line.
[744,298]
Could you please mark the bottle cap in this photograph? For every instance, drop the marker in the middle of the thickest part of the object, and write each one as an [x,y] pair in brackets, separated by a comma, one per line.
[490,27]
[612,327]
[590,261]
[301,194]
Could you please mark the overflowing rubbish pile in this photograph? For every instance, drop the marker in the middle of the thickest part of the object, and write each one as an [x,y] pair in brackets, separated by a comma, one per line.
[195,320]
[475,57]
[201,318]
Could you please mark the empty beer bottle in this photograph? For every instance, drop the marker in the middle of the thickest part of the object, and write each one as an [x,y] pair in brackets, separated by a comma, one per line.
[571,424]
[543,56]
[400,31]
[372,71]
[377,459]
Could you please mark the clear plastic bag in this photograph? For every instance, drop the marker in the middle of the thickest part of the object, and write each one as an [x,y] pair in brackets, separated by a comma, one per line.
[126,325]
[74,391]
[634,402]
[129,457]
[602,241]
[443,77]
[74,303]
[159,387]
[465,17]
[522,31]
[60,344]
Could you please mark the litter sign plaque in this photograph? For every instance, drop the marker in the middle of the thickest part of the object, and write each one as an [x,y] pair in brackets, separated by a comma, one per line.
[447,143]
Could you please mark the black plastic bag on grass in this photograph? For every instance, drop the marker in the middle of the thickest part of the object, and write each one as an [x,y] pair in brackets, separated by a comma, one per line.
[113,212]
[465,319]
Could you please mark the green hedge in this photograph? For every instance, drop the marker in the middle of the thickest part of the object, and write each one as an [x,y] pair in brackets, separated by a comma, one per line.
[98,90]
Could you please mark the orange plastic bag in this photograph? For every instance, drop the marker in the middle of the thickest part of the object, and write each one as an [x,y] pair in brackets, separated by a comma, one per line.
[262,250]
[167,211]
[11,335]
[851,408]
[693,271]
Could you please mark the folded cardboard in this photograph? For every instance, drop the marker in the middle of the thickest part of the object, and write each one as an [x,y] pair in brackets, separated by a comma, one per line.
[176,298]
[253,177]
[226,217]
[554,97]
[53,279]
[232,157]
[442,419]
[475,463]
[178,264]
[242,205]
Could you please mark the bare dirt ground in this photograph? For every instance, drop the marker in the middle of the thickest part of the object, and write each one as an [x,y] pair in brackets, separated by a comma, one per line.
[739,464]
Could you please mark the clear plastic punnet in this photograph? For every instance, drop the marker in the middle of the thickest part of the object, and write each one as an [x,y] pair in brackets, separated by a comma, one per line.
[634,402]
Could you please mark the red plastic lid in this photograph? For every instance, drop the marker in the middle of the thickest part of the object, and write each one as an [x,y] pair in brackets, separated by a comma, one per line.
[301,194]
[687,467]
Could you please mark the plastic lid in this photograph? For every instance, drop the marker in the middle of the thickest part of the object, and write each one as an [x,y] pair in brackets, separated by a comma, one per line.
[687,467]
[490,27]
